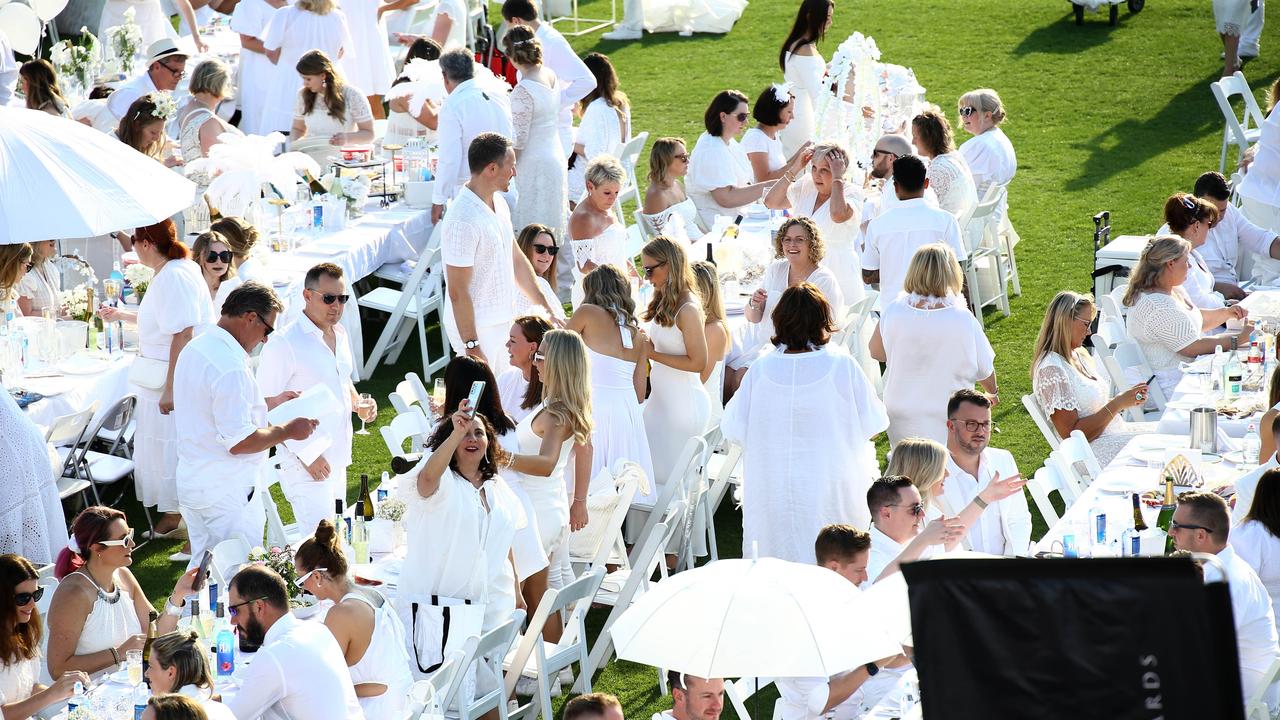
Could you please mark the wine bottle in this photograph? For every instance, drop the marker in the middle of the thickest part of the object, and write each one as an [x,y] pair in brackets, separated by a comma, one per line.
[365,501]
[1138,523]
[338,523]
[1131,538]
[359,536]
[313,184]
[1165,518]
[151,637]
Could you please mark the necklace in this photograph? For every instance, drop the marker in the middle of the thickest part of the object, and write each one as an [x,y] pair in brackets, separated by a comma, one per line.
[111,598]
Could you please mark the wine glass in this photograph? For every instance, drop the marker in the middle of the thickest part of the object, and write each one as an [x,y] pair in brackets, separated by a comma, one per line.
[437,396]
[134,664]
[366,402]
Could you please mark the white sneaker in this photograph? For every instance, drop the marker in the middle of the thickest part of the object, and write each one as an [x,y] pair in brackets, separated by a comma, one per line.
[620,33]
[566,676]
[180,557]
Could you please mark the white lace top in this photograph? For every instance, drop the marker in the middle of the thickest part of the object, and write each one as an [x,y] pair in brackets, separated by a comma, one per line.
[17,679]
[951,180]
[1162,325]
[1059,385]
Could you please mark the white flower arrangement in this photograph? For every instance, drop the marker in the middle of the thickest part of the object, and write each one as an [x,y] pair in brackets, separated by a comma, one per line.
[75,302]
[353,189]
[126,40]
[166,106]
[392,509]
[78,61]
[138,276]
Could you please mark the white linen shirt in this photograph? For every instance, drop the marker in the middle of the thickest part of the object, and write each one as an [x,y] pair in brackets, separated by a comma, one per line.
[466,112]
[1004,528]
[1262,183]
[217,403]
[120,100]
[713,164]
[177,298]
[1256,640]
[474,236]
[1232,235]
[1255,544]
[755,141]
[895,235]
[885,550]
[297,358]
[298,674]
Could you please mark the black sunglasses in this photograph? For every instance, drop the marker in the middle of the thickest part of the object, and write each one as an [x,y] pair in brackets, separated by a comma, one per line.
[270,329]
[331,299]
[545,249]
[967,111]
[224,257]
[742,117]
[916,509]
[648,269]
[24,599]
[1175,525]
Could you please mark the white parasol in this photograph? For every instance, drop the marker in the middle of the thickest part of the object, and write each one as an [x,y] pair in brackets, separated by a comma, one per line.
[61,179]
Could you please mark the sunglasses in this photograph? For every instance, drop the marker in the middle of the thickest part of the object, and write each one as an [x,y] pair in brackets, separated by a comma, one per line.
[223,257]
[916,509]
[29,266]
[24,599]
[878,151]
[127,540]
[303,580]
[648,269]
[545,249]
[683,156]
[329,299]
[967,111]
[234,610]
[270,329]
[1175,525]
[741,117]
[538,356]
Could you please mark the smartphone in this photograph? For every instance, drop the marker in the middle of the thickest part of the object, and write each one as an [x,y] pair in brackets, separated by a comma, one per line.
[203,572]
[473,397]
[1150,380]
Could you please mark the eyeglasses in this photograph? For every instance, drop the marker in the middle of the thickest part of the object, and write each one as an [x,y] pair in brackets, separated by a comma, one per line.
[975,425]
[329,298]
[24,599]
[269,328]
[648,269]
[303,580]
[916,509]
[223,257]
[1175,525]
[545,249]
[179,74]
[127,540]
[967,110]
[235,609]
[1086,321]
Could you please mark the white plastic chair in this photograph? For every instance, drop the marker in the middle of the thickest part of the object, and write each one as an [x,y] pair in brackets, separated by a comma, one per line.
[429,698]
[601,542]
[1127,366]
[979,235]
[1255,707]
[1109,305]
[629,155]
[721,474]
[411,425]
[1041,486]
[50,586]
[228,556]
[740,690]
[1042,421]
[410,392]
[1075,463]
[1240,131]
[421,295]
[277,532]
[674,490]
[67,431]
[1006,240]
[81,463]
[489,649]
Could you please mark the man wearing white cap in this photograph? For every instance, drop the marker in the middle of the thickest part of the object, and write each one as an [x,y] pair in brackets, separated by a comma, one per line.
[166,66]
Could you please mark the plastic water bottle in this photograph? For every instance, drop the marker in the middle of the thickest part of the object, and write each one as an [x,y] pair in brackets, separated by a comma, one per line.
[1098,526]
[140,698]
[213,595]
[226,652]
[77,698]
[1251,447]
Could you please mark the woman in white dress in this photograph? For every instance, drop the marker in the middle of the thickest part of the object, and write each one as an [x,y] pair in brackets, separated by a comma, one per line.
[1257,538]
[329,113]
[931,346]
[772,111]
[678,407]
[1260,190]
[542,182]
[1190,218]
[538,243]
[949,175]
[21,696]
[295,30]
[718,338]
[720,177]
[361,620]
[803,68]
[665,197]
[212,252]
[988,153]
[595,236]
[1230,18]
[180,664]
[99,611]
[198,121]
[1164,322]
[1069,387]
[256,72]
[619,370]
[175,308]
[606,121]
[370,68]
[519,385]
[805,416]
[243,238]
[151,19]
[823,195]
[38,289]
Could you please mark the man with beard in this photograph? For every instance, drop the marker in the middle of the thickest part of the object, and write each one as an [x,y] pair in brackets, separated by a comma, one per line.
[299,672]
[888,149]
[1004,528]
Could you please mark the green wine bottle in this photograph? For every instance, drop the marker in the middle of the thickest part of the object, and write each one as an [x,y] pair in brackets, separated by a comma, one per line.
[1165,518]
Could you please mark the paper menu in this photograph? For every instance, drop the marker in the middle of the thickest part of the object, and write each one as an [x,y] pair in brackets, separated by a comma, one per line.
[315,402]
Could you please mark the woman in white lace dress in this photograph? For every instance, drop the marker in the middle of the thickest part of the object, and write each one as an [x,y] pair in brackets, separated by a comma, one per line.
[595,235]
[542,181]
[1068,386]
[605,125]
[665,197]
[773,112]
[328,113]
[803,67]
[949,175]
[21,629]
[1162,319]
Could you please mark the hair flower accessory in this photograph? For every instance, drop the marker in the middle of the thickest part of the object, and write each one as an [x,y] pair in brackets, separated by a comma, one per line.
[166,106]
[782,92]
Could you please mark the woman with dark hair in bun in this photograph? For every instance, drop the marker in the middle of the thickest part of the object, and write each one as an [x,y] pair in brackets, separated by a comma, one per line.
[174,309]
[363,622]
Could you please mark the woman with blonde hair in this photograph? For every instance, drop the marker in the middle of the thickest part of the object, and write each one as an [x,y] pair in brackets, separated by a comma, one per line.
[988,153]
[717,331]
[539,245]
[198,121]
[949,175]
[678,407]
[39,287]
[1162,319]
[328,108]
[665,196]
[213,254]
[542,181]
[618,351]
[306,27]
[596,237]
[179,664]
[1069,387]
[174,707]
[931,345]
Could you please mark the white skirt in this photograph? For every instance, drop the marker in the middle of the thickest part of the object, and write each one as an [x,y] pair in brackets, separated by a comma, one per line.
[155,452]
[1230,16]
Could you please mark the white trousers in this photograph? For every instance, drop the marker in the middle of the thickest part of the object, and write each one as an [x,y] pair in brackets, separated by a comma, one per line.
[312,500]
[1253,30]
[230,517]
[632,16]
[493,340]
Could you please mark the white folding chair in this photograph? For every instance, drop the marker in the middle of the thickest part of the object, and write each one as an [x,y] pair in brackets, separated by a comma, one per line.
[1006,240]
[50,586]
[100,468]
[1111,308]
[721,469]
[489,649]
[1042,421]
[1041,486]
[1127,366]
[63,435]
[277,532]
[429,698]
[542,660]
[674,490]
[411,425]
[740,690]
[693,537]
[980,244]
[601,542]
[228,556]
[1239,131]
[1255,707]
[410,392]
[629,155]
[421,295]
[1076,464]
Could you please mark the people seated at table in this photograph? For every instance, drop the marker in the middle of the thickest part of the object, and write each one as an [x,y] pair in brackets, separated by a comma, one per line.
[1191,218]
[166,66]
[363,622]
[605,125]
[213,253]
[1233,240]
[949,174]
[542,183]
[296,31]
[720,178]
[772,111]
[593,706]
[694,698]
[180,664]
[175,309]
[1257,539]
[898,532]
[1201,524]
[716,330]
[39,287]
[931,346]
[468,111]
[823,196]
[242,236]
[665,197]
[576,80]
[99,611]
[21,629]
[1167,326]
[540,248]
[402,124]
[328,112]
[895,234]
[299,670]
[1071,390]
[805,415]
[596,236]
[314,351]
[520,386]
[173,707]
[989,153]
[39,83]
[142,128]
[199,127]
[804,69]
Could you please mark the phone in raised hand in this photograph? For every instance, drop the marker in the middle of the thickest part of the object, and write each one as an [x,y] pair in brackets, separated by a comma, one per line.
[473,397]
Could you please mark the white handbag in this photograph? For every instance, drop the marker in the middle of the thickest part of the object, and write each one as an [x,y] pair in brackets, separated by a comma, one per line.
[438,627]
[148,373]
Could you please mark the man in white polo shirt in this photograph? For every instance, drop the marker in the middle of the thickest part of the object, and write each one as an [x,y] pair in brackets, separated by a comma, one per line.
[1004,527]
[166,66]
[898,532]
[467,112]
[893,237]
[222,420]
[484,268]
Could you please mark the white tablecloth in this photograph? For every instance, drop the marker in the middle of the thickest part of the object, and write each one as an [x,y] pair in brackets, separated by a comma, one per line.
[68,394]
[1177,415]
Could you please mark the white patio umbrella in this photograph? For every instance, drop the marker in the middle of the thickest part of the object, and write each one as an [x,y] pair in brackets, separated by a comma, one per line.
[753,618]
[61,179]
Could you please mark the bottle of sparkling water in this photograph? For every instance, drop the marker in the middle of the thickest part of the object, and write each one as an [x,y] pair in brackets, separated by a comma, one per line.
[77,698]
[1251,448]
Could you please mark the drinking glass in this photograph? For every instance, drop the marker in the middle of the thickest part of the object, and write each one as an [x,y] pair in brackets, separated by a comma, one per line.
[366,402]
[133,660]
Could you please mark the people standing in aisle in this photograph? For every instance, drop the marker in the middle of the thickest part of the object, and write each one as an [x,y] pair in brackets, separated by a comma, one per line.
[250,20]
[542,250]
[213,253]
[294,31]
[370,68]
[803,67]
[468,111]
[949,174]
[541,183]
[576,80]
[520,386]
[606,121]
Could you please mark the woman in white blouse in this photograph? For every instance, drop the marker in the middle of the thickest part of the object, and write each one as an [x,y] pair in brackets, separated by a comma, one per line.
[1257,539]
[1162,319]
[39,287]
[538,243]
[931,345]
[989,153]
[296,30]
[665,196]
[20,695]
[949,174]
[213,254]
[328,108]
[1190,218]
[180,664]
[606,121]
[803,67]
[720,177]
[1069,387]
[772,111]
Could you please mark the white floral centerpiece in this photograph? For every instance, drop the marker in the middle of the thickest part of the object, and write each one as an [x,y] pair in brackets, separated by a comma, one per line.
[138,276]
[77,61]
[239,167]
[75,303]
[387,530]
[392,509]
[166,105]
[353,189]
[126,41]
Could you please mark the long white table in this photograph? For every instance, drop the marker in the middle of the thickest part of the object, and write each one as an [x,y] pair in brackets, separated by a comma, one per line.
[1188,394]
[66,393]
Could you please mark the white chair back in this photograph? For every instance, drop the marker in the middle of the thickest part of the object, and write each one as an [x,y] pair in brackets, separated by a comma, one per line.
[1041,420]
[720,473]
[1041,486]
[429,699]
[1255,707]
[228,556]
[1128,366]
[739,691]
[1110,307]
[688,464]
[981,244]
[601,542]
[66,430]
[490,648]
[411,425]
[421,295]
[629,156]
[1244,129]
[50,586]
[1076,464]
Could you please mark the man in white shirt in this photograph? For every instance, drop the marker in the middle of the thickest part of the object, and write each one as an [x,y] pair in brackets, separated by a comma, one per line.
[573,75]
[222,420]
[313,351]
[1003,528]
[1201,524]
[887,150]
[484,268]
[693,698]
[467,111]
[298,672]
[166,66]
[1231,237]
[898,532]
[893,237]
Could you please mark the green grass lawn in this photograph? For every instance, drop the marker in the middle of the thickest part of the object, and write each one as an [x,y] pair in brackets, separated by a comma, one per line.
[1103,118]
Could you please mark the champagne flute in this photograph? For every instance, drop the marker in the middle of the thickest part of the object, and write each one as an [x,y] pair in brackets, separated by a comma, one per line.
[366,401]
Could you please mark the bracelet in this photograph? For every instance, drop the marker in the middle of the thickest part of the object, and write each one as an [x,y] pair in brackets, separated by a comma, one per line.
[1110,412]
[172,609]
[789,177]
[977,499]
[115,656]
[579,500]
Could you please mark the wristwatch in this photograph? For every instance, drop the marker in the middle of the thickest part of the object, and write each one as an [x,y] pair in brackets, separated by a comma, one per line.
[471,344]
[872,669]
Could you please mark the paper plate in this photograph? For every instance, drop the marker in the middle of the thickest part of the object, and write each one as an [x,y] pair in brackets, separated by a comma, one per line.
[82,365]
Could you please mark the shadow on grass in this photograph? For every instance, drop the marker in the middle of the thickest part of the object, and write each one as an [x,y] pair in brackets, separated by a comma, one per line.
[1063,37]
